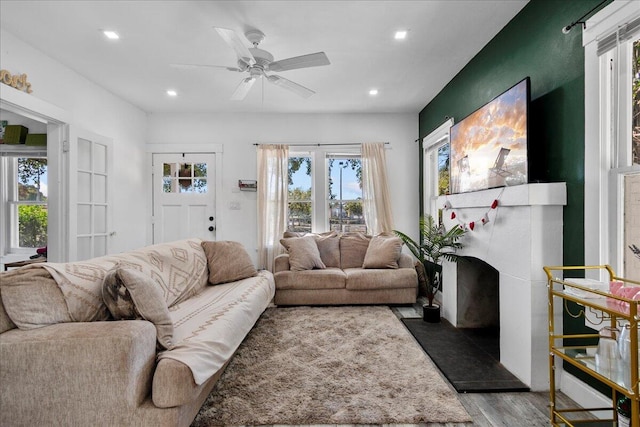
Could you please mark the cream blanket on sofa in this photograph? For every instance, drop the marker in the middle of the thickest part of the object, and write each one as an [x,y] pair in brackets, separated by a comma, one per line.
[209,327]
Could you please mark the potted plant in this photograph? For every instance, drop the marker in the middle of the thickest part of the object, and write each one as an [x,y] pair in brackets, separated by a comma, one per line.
[437,244]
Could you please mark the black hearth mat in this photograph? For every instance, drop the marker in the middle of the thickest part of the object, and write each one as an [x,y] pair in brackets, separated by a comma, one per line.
[465,361]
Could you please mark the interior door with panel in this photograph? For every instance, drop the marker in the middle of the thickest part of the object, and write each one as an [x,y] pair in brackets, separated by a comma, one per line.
[183,196]
[90,195]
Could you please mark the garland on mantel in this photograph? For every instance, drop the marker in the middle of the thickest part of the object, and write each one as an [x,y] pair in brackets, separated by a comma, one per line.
[471,225]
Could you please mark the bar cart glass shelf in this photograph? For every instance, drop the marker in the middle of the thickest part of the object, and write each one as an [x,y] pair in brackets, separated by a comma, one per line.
[615,311]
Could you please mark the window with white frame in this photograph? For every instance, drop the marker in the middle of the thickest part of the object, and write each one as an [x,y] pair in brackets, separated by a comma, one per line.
[612,139]
[325,191]
[26,204]
[436,167]
[300,200]
[345,193]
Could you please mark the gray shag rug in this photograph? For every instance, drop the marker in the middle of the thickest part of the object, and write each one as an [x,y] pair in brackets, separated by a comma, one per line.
[330,365]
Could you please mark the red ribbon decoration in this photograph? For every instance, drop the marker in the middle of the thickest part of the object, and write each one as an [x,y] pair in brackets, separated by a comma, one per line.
[453,215]
[494,204]
[472,224]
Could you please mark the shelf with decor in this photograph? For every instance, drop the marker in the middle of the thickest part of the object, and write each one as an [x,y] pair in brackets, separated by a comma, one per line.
[611,355]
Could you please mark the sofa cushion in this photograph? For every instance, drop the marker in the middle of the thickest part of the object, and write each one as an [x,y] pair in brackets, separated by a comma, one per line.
[353,248]
[303,253]
[228,261]
[32,299]
[329,278]
[130,294]
[383,252]
[362,279]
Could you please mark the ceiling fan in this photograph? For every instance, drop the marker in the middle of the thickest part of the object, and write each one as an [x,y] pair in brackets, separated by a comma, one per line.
[258,62]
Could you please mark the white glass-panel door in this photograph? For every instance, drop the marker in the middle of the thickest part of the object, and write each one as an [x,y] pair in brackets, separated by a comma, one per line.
[90,176]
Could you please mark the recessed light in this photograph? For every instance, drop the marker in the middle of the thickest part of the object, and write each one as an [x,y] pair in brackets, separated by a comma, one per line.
[400,35]
[172,92]
[373,92]
[111,35]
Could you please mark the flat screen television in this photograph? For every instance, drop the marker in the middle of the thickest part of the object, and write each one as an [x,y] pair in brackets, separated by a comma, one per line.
[489,147]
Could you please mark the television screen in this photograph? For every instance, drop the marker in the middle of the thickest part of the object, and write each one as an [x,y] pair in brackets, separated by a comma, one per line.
[489,147]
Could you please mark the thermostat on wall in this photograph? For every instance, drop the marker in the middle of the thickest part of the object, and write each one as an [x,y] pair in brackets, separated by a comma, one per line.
[248,185]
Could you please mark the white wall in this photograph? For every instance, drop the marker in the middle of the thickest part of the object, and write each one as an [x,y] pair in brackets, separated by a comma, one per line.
[99,111]
[238,132]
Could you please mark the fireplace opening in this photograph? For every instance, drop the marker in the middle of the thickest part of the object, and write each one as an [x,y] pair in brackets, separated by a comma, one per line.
[478,313]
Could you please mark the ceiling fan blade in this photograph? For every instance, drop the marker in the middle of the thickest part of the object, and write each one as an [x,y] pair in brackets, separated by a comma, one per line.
[242,89]
[293,87]
[232,39]
[192,66]
[304,61]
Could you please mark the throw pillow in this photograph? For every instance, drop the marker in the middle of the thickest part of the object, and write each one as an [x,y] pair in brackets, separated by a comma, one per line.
[383,252]
[303,253]
[228,261]
[32,298]
[353,248]
[329,248]
[130,294]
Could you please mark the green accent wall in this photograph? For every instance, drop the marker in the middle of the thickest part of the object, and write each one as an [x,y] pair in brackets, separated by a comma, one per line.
[533,45]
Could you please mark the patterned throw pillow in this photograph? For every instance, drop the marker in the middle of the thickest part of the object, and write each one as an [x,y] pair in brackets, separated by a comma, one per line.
[228,261]
[130,294]
[383,252]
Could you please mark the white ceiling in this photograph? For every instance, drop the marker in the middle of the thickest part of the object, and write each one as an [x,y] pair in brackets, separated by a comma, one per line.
[357,36]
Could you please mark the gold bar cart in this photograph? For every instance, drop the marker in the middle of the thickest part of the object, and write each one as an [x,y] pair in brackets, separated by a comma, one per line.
[613,310]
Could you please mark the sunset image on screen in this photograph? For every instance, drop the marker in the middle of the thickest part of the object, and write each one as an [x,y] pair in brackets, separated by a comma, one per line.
[489,147]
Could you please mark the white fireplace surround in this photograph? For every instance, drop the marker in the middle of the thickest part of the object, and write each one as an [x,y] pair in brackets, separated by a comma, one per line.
[524,234]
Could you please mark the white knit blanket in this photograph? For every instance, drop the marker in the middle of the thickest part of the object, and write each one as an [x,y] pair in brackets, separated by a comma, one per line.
[209,327]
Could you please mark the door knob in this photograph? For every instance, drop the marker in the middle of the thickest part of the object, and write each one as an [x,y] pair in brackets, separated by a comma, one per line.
[211,228]
[210,218]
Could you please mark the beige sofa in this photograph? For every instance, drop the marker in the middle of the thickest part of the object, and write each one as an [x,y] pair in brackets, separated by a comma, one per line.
[353,268]
[65,361]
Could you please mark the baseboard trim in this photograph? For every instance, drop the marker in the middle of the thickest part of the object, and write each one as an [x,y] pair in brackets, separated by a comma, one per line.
[584,395]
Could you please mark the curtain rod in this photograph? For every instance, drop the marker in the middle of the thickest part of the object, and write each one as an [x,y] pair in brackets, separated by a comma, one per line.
[319,144]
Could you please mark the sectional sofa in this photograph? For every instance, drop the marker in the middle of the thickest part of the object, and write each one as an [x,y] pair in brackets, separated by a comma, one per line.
[66,360]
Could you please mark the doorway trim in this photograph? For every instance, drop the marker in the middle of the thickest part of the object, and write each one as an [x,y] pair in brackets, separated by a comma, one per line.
[57,121]
[187,149]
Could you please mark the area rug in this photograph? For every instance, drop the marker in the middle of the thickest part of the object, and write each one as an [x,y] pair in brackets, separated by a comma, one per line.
[330,365]
[469,367]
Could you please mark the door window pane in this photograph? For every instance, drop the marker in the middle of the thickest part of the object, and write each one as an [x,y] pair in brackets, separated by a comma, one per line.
[184,178]
[84,154]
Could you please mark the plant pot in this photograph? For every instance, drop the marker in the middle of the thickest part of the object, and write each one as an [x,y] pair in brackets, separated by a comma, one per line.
[431,313]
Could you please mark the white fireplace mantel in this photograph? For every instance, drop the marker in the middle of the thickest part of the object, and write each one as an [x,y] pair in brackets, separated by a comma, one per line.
[524,233]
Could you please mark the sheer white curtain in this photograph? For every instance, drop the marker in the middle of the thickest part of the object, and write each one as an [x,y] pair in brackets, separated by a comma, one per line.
[273,164]
[376,203]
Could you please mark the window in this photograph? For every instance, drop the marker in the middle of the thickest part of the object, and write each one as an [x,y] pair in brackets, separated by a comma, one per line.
[27,202]
[325,192]
[300,195]
[184,177]
[345,194]
[436,167]
[612,133]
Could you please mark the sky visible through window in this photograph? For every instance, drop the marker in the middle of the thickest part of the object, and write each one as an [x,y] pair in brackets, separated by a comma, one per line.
[350,186]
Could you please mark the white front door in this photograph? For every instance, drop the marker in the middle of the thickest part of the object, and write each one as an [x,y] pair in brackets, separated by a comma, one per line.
[183,197]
